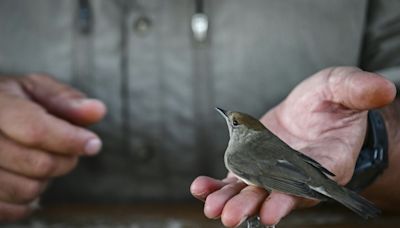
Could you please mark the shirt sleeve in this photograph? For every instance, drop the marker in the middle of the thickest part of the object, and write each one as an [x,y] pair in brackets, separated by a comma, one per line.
[381,46]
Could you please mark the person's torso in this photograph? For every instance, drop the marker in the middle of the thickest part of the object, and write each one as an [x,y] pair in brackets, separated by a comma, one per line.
[161,85]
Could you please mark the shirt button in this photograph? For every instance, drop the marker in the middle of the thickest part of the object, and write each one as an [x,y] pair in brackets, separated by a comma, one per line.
[142,25]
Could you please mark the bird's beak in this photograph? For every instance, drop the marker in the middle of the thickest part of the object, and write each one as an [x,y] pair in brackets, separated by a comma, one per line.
[222,112]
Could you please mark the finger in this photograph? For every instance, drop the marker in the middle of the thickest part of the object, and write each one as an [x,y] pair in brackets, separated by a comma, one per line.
[30,125]
[203,186]
[361,90]
[62,100]
[216,201]
[242,206]
[275,207]
[13,212]
[230,178]
[19,189]
[278,205]
[33,163]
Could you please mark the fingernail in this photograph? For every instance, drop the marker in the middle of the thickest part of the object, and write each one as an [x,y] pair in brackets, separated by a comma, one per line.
[93,146]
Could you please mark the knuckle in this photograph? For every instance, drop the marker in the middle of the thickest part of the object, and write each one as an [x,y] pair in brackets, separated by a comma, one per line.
[14,213]
[38,77]
[33,134]
[43,165]
[31,82]
[66,92]
[253,191]
[10,193]
[32,189]
[24,123]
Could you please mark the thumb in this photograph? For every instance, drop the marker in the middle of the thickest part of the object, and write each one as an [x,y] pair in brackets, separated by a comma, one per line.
[360,90]
[62,100]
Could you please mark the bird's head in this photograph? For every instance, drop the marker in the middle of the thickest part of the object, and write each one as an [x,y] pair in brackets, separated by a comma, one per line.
[240,124]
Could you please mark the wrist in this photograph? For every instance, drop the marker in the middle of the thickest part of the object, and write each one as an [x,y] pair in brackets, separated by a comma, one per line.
[373,157]
[384,190]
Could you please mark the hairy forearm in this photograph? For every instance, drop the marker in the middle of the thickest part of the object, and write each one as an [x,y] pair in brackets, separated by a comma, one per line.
[385,190]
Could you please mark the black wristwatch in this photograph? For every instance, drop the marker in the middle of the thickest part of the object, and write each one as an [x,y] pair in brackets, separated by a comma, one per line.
[373,158]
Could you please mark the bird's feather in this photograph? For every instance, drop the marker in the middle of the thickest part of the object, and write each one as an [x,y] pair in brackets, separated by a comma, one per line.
[271,138]
[315,164]
[270,172]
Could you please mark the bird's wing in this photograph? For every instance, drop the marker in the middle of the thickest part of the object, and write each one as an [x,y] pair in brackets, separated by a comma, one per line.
[316,164]
[275,140]
[265,165]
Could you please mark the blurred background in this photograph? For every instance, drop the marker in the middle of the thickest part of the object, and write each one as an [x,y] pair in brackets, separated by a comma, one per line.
[161,66]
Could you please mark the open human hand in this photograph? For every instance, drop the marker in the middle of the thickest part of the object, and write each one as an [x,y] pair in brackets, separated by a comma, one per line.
[324,117]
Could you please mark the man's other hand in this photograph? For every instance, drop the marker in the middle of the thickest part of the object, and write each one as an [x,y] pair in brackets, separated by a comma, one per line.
[42,135]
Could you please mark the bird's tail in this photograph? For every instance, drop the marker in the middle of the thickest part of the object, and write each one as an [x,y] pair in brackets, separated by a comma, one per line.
[355,202]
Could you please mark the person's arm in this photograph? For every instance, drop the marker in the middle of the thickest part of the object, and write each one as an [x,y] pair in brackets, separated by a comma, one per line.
[384,190]
[380,54]
[41,137]
[325,117]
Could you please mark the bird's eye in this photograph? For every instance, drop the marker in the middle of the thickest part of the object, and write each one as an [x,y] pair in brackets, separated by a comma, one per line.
[235,123]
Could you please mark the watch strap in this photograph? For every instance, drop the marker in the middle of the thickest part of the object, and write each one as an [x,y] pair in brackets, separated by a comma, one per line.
[373,158]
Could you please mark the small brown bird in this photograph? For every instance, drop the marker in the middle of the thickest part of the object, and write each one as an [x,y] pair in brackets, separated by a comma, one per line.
[258,157]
